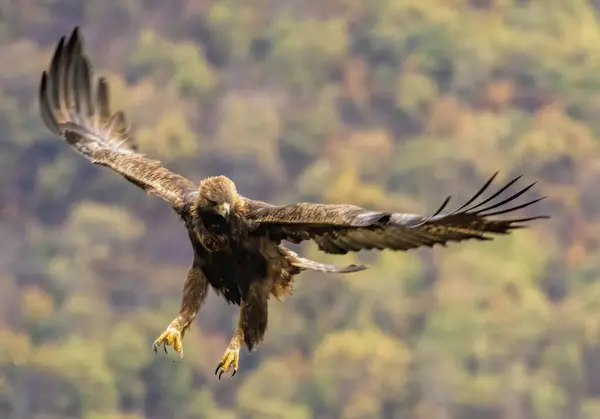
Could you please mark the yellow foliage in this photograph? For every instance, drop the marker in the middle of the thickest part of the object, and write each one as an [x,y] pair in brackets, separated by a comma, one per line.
[189,67]
[126,348]
[347,360]
[35,303]
[171,136]
[274,384]
[102,222]
[16,349]
[414,91]
[554,133]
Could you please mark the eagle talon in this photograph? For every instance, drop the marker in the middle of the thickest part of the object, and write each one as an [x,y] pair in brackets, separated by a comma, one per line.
[179,356]
[230,361]
[170,337]
[218,367]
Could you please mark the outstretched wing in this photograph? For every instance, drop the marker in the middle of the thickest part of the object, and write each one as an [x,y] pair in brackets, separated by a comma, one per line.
[71,110]
[340,229]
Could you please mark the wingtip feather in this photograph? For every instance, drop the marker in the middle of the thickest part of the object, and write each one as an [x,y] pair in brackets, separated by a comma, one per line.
[67,101]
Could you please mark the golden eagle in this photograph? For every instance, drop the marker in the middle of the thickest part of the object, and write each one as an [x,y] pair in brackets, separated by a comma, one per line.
[237,241]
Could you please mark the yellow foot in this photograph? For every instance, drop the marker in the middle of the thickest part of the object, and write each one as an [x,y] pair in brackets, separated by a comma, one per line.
[170,337]
[230,360]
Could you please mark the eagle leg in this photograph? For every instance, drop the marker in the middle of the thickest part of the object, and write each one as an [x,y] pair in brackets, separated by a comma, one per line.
[231,358]
[251,328]
[194,294]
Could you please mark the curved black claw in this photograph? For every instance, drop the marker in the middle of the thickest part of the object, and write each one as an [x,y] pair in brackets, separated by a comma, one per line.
[229,364]
[170,337]
[218,368]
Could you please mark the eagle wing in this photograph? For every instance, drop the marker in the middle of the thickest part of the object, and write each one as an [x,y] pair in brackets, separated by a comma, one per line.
[340,229]
[70,110]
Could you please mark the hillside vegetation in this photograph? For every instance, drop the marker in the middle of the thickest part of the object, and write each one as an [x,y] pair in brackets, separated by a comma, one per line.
[388,104]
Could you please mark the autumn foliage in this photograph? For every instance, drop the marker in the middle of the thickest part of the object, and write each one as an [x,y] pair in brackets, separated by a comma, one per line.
[388,104]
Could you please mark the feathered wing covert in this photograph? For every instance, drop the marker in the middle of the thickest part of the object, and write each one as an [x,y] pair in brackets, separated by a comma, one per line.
[340,229]
[70,109]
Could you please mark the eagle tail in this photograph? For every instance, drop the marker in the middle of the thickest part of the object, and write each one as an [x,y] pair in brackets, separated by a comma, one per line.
[303,263]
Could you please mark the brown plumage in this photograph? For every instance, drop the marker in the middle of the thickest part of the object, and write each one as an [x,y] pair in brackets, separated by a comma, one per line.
[237,241]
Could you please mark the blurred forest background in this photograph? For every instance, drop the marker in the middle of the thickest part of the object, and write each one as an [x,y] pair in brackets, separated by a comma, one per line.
[388,104]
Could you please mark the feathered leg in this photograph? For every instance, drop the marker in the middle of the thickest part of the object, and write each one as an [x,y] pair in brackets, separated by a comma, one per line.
[194,294]
[251,328]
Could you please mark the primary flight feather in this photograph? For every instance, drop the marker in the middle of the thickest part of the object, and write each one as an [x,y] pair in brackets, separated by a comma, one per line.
[237,241]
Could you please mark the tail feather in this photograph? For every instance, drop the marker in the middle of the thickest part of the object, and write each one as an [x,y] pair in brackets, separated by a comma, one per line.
[303,263]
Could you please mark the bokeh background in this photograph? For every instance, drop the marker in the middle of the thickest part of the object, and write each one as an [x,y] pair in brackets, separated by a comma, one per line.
[389,104]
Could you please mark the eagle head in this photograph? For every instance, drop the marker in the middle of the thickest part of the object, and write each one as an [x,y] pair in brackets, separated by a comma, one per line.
[218,195]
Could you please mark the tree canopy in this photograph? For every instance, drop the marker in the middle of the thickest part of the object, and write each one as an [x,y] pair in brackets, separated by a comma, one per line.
[388,104]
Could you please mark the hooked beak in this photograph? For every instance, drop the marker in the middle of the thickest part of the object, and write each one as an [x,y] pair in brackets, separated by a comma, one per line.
[223,210]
